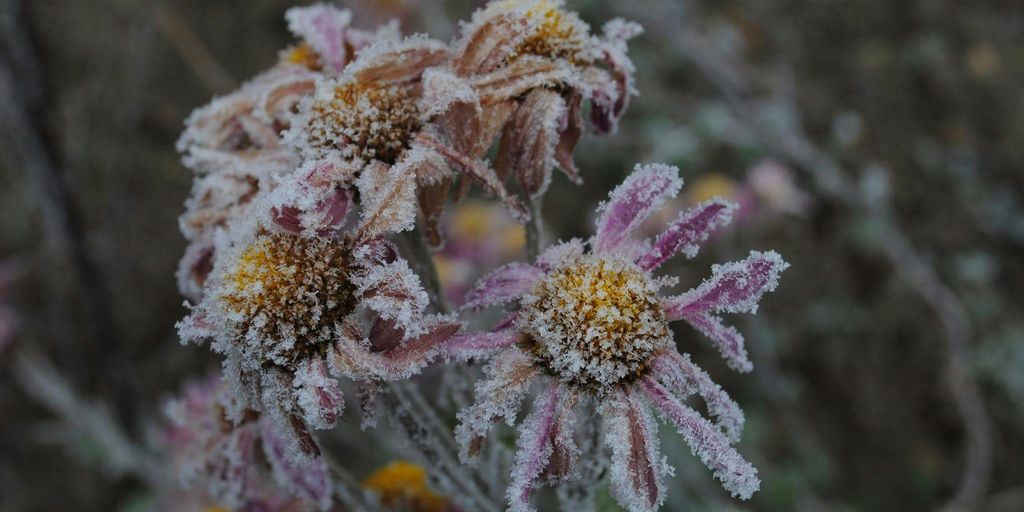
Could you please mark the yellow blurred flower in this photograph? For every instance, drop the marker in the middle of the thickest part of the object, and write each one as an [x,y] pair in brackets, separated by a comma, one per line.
[709,186]
[403,483]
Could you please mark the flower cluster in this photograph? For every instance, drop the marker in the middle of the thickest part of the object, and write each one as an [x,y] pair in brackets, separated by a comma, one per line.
[307,174]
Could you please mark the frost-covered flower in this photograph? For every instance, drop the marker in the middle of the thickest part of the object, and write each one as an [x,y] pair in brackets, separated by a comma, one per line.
[289,309]
[233,144]
[590,328]
[223,464]
[522,69]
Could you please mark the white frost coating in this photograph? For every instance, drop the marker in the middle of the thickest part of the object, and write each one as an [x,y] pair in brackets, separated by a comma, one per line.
[317,394]
[388,197]
[442,89]
[393,290]
[397,52]
[534,448]
[708,443]
[637,468]
[558,254]
[507,380]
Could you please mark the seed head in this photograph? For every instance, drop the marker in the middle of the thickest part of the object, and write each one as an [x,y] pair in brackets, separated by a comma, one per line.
[596,321]
[368,121]
[287,293]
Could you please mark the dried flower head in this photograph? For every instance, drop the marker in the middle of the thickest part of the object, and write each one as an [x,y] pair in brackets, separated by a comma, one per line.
[521,70]
[591,327]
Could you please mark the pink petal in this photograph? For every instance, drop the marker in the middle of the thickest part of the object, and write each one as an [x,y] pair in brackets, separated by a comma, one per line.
[684,378]
[634,200]
[323,27]
[609,105]
[467,346]
[505,284]
[306,477]
[637,466]
[686,233]
[533,449]
[708,443]
[733,288]
[413,354]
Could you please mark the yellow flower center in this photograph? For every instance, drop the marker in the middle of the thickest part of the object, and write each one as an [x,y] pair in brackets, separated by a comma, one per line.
[558,35]
[286,293]
[368,121]
[596,322]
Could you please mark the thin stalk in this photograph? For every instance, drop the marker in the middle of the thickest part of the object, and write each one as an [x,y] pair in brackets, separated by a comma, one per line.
[534,228]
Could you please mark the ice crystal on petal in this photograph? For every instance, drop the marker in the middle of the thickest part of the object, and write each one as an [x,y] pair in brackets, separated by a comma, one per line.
[634,200]
[509,376]
[733,288]
[317,394]
[637,467]
[534,449]
[323,28]
[684,378]
[389,199]
[687,232]
[505,284]
[707,442]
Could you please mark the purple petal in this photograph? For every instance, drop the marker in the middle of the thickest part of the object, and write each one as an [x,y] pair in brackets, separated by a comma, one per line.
[634,200]
[533,449]
[686,233]
[684,378]
[466,346]
[306,477]
[708,443]
[323,28]
[637,466]
[505,284]
[733,288]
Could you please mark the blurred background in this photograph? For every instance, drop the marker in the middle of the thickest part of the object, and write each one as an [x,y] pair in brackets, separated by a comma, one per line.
[877,145]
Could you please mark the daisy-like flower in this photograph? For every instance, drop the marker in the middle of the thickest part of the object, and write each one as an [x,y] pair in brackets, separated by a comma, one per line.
[289,309]
[224,465]
[589,327]
[233,144]
[522,69]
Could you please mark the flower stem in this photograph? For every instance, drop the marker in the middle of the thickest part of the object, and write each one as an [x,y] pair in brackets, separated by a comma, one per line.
[534,228]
